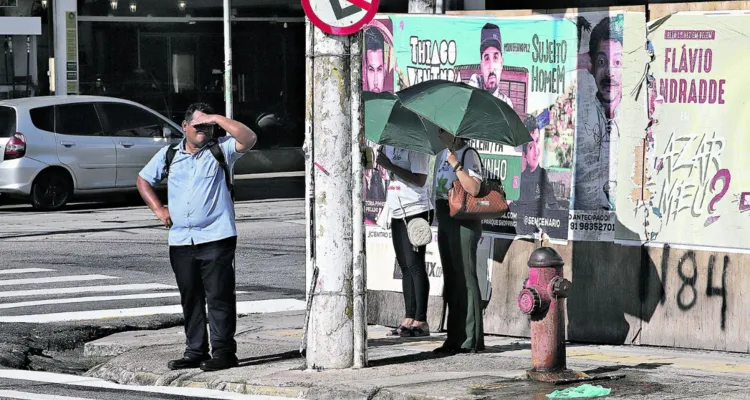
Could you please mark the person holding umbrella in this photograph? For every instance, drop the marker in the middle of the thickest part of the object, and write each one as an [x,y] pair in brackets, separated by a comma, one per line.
[407,199]
[439,117]
[457,242]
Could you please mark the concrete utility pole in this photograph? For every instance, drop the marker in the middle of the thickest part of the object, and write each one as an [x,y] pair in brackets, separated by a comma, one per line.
[227,59]
[335,225]
[426,6]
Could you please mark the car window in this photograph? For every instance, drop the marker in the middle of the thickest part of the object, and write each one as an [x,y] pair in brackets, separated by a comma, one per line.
[78,119]
[43,118]
[125,120]
[7,122]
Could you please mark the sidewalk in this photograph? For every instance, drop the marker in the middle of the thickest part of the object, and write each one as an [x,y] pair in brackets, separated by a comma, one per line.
[407,369]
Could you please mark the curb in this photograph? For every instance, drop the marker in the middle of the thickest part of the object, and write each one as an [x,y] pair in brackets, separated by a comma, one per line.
[183,379]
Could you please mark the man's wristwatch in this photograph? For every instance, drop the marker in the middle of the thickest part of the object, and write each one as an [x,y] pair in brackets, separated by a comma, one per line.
[458,167]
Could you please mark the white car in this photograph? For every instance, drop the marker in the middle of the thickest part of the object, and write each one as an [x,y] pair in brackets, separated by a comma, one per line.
[56,146]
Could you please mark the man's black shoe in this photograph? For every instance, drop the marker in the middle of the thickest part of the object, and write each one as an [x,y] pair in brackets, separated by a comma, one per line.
[218,364]
[185,363]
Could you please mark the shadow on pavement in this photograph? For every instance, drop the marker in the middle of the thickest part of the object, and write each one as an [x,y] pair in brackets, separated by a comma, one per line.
[251,361]
[615,368]
[409,358]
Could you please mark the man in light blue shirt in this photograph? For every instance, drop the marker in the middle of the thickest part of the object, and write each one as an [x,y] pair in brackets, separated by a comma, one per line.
[202,232]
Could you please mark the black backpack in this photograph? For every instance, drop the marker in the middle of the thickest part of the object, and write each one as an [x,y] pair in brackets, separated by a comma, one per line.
[218,155]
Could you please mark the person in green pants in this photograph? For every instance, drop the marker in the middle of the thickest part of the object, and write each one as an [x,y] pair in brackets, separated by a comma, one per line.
[457,243]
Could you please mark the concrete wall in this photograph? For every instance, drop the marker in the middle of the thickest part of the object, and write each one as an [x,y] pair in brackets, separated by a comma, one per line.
[642,295]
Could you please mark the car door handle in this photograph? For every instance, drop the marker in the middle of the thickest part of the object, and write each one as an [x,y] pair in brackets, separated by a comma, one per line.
[127,144]
[68,144]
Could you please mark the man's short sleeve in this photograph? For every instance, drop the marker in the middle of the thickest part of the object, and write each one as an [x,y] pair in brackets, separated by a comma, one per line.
[419,162]
[153,172]
[228,146]
[472,164]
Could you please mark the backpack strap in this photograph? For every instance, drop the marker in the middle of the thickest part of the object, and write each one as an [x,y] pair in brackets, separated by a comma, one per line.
[171,151]
[219,156]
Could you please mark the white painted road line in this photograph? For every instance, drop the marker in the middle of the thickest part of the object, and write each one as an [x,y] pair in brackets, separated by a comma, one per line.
[89,299]
[73,380]
[14,394]
[24,270]
[54,279]
[86,289]
[92,299]
[243,307]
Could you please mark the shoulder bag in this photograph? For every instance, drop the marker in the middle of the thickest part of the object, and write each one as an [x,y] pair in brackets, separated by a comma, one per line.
[489,203]
[418,230]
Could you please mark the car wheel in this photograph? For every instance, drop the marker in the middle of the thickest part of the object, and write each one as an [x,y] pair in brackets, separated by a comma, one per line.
[51,190]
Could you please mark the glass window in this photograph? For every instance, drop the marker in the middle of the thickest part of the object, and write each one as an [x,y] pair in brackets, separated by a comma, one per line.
[43,118]
[7,122]
[125,120]
[78,119]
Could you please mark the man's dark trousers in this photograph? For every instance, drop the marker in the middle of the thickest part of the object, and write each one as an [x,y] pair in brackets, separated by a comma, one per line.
[204,273]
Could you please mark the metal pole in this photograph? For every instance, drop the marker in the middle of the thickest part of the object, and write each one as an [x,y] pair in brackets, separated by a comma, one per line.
[28,63]
[310,274]
[12,67]
[359,267]
[227,60]
[7,70]
[331,329]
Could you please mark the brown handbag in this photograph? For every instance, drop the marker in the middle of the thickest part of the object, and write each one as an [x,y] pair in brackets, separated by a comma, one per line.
[489,203]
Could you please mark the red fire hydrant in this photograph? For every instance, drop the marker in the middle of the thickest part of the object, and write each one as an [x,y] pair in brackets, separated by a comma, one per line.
[542,298]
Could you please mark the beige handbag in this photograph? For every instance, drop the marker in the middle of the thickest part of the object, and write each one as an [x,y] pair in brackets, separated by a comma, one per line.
[418,230]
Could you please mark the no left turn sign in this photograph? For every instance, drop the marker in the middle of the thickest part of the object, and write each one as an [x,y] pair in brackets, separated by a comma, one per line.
[340,17]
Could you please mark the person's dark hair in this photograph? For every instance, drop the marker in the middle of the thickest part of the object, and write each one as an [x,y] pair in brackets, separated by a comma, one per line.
[374,39]
[202,107]
[531,124]
[606,29]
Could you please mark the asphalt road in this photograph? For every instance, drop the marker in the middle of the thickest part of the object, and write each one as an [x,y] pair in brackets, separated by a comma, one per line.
[105,266]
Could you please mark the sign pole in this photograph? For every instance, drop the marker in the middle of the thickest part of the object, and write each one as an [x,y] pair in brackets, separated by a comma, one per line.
[359,267]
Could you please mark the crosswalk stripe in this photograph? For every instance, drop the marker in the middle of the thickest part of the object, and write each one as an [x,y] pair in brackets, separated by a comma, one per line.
[88,299]
[92,299]
[24,270]
[14,394]
[244,307]
[86,289]
[54,279]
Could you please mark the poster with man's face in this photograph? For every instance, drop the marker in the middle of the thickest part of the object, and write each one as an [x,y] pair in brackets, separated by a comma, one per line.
[600,77]
[377,76]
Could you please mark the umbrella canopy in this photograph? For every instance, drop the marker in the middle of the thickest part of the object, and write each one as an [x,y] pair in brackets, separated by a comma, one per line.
[388,122]
[466,111]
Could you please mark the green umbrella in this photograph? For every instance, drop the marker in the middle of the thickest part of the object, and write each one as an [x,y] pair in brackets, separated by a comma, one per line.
[466,112]
[388,122]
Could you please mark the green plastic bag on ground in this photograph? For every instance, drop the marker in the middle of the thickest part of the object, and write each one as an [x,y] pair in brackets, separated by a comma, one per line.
[580,391]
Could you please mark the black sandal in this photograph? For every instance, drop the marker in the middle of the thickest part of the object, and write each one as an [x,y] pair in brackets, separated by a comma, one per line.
[397,332]
[414,331]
